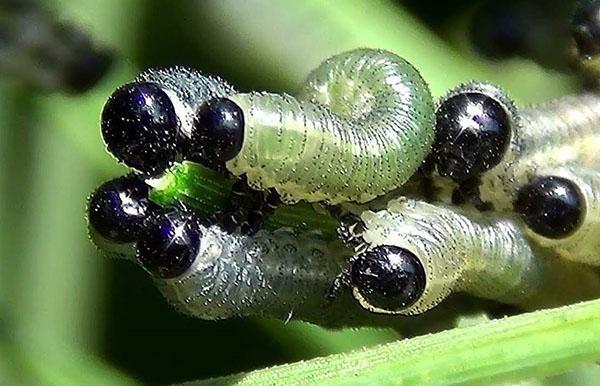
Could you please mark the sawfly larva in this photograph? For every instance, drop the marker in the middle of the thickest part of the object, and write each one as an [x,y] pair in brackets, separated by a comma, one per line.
[211,274]
[414,254]
[360,126]
[490,148]
[147,124]
[562,211]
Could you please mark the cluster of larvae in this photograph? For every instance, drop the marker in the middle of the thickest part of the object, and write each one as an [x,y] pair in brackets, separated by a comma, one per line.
[355,197]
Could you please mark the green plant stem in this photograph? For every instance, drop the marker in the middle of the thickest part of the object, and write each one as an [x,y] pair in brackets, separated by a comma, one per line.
[531,345]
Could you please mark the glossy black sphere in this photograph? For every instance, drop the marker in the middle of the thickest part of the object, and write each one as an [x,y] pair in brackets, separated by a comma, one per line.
[551,206]
[585,28]
[140,127]
[169,243]
[388,277]
[117,209]
[218,130]
[472,134]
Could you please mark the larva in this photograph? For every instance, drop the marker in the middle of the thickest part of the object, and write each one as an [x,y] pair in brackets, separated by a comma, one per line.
[360,126]
[147,124]
[283,274]
[491,148]
[415,254]
[562,210]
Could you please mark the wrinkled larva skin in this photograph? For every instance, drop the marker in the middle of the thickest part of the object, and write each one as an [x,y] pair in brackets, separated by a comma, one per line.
[271,274]
[360,126]
[582,245]
[560,132]
[479,254]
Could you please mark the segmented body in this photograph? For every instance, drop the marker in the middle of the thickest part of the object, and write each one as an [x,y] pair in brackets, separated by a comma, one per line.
[483,255]
[270,274]
[552,134]
[360,126]
[583,245]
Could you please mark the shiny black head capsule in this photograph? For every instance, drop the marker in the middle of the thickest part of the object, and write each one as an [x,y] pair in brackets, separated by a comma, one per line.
[169,243]
[472,134]
[140,127]
[117,209]
[551,206]
[388,278]
[218,129]
[585,28]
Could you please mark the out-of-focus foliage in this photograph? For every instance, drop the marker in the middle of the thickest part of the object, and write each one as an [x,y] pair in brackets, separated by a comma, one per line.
[68,314]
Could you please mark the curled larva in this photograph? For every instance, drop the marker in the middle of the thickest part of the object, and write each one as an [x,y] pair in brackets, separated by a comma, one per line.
[360,126]
[415,254]
[561,208]
[490,148]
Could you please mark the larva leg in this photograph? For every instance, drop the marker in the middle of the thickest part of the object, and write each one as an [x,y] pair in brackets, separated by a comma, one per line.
[360,127]
[561,208]
[481,135]
[418,253]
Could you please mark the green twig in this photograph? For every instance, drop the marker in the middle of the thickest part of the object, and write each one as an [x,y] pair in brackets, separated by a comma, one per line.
[521,347]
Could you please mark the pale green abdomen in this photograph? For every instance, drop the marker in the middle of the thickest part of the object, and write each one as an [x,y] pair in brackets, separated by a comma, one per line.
[360,127]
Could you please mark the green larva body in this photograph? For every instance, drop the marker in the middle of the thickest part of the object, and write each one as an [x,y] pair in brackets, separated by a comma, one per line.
[583,245]
[479,254]
[282,274]
[360,126]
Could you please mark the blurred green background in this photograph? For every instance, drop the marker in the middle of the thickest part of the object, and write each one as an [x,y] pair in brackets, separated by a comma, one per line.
[69,315]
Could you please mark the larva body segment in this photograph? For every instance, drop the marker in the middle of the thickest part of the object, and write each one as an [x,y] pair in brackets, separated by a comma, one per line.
[360,127]
[273,274]
[485,256]
[551,134]
[583,243]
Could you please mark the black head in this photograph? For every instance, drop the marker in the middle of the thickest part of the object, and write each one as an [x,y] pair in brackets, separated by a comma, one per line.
[388,278]
[218,130]
[472,134]
[551,206]
[140,127]
[169,243]
[117,209]
[585,28]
